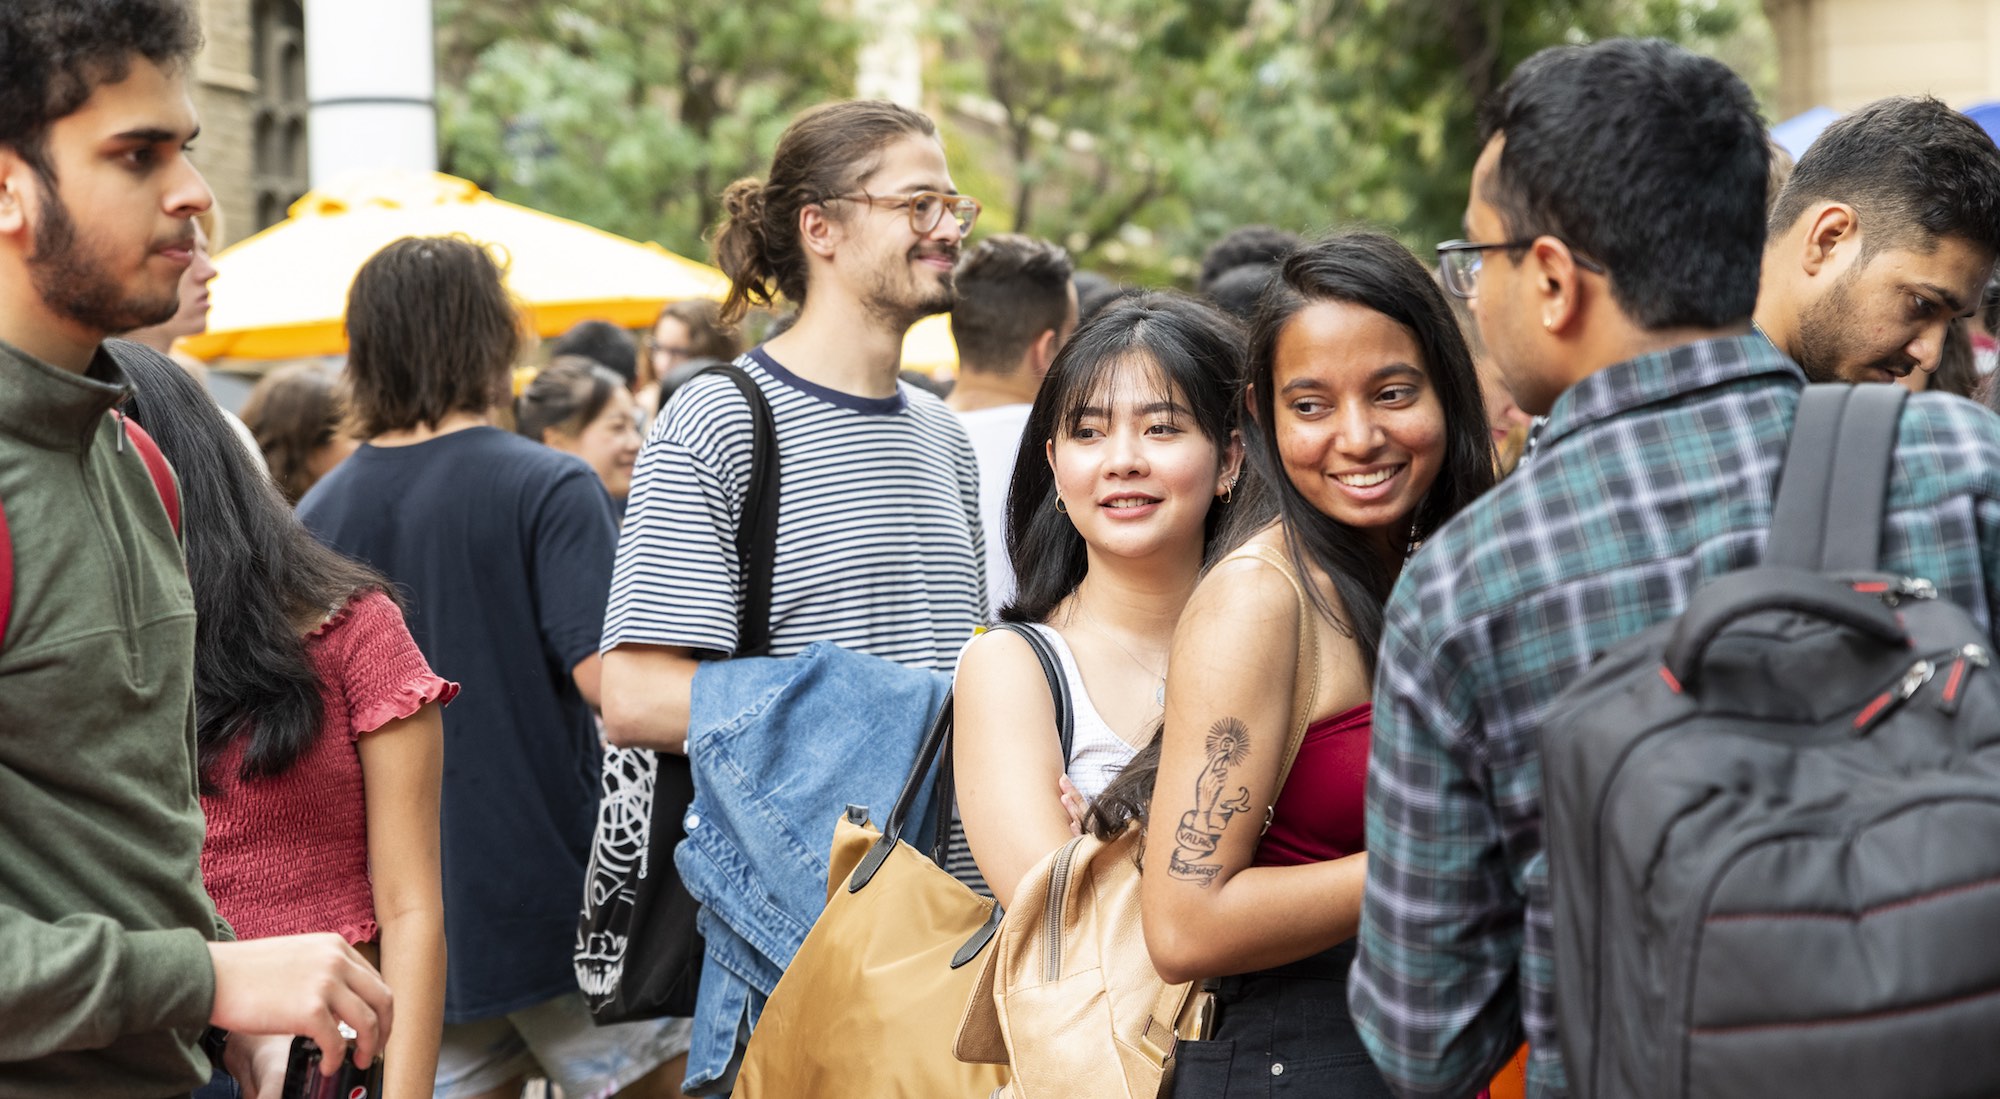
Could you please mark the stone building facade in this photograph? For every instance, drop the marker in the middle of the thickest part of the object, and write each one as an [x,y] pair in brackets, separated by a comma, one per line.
[249,89]
[1844,53]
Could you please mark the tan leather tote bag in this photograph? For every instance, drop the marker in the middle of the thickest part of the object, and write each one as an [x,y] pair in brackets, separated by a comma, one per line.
[1068,997]
[869,1007]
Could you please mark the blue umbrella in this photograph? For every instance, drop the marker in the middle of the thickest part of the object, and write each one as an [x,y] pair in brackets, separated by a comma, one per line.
[1798,132]
[1988,117]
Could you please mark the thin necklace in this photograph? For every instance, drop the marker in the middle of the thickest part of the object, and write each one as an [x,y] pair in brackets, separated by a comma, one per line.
[1160,692]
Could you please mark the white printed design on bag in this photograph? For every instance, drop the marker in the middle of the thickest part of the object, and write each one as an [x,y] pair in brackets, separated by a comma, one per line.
[619,859]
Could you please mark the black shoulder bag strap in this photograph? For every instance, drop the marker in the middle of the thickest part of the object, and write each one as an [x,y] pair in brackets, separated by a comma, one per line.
[1052,670]
[935,751]
[664,911]
[1835,483]
[757,534]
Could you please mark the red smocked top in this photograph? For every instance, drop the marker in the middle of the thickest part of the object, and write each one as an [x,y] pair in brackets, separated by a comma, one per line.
[1319,813]
[288,854]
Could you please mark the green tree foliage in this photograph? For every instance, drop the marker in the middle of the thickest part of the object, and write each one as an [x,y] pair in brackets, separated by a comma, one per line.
[630,115]
[1139,131]
[1133,131]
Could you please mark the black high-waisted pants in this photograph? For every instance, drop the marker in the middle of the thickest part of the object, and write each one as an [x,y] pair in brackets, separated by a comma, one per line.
[1282,1032]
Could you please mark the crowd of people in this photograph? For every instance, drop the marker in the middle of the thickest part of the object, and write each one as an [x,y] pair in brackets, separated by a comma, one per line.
[303,715]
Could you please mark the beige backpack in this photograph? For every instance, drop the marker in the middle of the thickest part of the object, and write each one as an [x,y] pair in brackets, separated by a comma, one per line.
[1068,996]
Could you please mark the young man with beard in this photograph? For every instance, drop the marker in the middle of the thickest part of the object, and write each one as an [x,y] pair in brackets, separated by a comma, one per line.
[1885,234]
[113,964]
[879,543]
[1667,421]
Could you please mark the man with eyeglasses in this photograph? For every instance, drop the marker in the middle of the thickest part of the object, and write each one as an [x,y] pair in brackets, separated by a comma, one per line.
[1614,290]
[879,547]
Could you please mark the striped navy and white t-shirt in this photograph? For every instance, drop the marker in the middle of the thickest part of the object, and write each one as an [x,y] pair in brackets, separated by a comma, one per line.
[879,539]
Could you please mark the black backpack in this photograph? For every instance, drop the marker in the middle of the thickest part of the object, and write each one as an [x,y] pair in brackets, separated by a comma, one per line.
[1773,823]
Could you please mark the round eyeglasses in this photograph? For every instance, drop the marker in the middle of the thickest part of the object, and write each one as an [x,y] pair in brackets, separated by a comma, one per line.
[927,208]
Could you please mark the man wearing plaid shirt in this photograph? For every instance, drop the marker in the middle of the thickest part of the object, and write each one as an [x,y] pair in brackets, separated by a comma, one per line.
[1618,208]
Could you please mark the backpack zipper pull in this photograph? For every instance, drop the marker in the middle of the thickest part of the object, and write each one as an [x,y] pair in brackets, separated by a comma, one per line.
[1968,658]
[1919,674]
[120,417]
[1893,591]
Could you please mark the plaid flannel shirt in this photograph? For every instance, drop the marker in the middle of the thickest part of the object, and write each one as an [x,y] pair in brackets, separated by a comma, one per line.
[1650,477]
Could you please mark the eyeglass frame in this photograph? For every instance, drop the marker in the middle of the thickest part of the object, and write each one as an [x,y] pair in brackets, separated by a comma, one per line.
[1452,248]
[909,202]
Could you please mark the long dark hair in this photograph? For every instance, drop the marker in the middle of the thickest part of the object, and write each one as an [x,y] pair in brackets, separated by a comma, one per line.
[258,576]
[1373,271]
[1192,348]
[1370,270]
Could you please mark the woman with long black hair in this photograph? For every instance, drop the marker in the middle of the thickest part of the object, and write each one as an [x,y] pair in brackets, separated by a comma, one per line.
[1367,432]
[1128,461]
[317,720]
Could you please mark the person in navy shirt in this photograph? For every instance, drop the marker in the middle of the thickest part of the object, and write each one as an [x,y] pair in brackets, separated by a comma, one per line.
[503,548]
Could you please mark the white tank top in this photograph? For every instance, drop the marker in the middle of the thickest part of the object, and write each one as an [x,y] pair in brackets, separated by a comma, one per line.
[1096,752]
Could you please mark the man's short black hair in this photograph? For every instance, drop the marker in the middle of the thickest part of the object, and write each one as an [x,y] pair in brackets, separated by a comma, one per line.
[606,344]
[1249,244]
[1011,289]
[1915,171]
[1642,156]
[54,53]
[1096,293]
[1240,289]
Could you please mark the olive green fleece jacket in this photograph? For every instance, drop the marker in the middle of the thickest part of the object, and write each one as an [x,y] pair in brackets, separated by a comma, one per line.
[105,978]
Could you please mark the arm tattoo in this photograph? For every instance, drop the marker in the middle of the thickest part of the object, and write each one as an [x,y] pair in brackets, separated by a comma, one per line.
[1201,827]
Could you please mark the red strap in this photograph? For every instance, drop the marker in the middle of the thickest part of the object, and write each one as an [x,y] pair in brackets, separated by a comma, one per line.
[163,482]
[156,464]
[6,576]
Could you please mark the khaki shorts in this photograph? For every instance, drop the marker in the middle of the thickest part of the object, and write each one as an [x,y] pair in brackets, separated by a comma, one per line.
[556,1040]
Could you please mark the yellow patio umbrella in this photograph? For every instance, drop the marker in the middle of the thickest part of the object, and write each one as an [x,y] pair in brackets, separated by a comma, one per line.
[282,293]
[928,347]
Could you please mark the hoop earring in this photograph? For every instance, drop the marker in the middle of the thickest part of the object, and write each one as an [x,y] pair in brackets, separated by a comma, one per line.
[1061,507]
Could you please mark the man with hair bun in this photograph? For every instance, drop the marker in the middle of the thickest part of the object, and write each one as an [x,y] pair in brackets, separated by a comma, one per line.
[117,978]
[879,544]
[1884,235]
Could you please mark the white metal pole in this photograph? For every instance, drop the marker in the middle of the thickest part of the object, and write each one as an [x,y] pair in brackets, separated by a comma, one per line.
[371,86]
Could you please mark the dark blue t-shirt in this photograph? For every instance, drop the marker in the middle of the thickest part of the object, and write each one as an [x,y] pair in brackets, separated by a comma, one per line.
[503,548]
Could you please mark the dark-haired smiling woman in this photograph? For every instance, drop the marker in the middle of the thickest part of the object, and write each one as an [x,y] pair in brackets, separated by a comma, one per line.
[1129,458]
[1367,426]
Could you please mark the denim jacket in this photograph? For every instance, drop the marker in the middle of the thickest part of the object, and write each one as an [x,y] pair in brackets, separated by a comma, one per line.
[780,747]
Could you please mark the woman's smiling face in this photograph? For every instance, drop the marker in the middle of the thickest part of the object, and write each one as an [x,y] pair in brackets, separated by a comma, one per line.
[1359,426]
[1134,470]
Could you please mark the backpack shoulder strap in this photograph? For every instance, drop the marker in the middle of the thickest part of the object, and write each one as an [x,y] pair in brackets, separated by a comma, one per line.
[163,483]
[757,538]
[6,576]
[156,465]
[1835,482]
